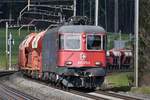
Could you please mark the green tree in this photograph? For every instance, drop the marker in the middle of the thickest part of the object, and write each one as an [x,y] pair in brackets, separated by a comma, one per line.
[144,43]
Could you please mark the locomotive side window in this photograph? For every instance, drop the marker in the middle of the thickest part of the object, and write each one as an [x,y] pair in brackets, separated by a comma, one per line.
[104,42]
[61,41]
[72,42]
[94,42]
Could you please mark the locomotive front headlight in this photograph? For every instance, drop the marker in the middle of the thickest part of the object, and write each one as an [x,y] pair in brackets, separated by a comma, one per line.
[84,36]
[68,63]
[98,63]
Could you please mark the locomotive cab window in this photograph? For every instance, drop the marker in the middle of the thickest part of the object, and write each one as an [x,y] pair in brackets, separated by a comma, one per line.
[94,42]
[72,42]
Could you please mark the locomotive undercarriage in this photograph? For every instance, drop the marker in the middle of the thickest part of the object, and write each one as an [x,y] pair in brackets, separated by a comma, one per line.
[73,81]
[86,82]
[71,77]
[83,77]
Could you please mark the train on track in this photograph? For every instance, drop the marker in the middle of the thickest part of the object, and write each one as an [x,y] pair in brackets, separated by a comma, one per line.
[73,55]
[119,59]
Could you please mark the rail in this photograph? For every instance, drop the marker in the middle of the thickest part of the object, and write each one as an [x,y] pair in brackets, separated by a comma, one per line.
[8,93]
[113,96]
[92,95]
[6,72]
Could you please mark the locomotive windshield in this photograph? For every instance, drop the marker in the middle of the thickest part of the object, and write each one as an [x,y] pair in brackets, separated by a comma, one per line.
[94,42]
[70,42]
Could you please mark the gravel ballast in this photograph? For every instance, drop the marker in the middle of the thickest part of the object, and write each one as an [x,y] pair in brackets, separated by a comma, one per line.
[38,90]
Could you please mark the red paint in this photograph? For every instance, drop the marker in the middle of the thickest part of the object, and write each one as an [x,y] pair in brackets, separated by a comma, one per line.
[24,47]
[75,56]
[30,57]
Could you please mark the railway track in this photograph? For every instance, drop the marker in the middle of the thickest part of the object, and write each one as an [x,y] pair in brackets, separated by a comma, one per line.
[6,72]
[8,93]
[82,94]
[94,95]
[113,95]
[102,95]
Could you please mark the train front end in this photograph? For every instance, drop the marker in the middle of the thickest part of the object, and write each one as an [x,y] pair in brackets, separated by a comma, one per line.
[82,55]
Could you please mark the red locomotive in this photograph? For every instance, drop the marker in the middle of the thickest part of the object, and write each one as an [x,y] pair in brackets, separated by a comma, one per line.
[72,55]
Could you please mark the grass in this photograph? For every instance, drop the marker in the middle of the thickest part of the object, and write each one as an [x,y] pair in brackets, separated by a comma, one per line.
[141,90]
[17,40]
[123,82]
[119,81]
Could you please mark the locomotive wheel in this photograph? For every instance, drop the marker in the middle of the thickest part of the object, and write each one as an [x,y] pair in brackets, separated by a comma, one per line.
[36,75]
[32,74]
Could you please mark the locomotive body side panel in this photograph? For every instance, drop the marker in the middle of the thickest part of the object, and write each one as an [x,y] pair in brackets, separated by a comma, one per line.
[49,50]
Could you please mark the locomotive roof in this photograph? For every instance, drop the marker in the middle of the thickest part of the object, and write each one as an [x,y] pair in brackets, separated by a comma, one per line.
[81,28]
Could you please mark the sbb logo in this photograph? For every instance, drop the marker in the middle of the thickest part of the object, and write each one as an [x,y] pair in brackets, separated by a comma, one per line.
[83,56]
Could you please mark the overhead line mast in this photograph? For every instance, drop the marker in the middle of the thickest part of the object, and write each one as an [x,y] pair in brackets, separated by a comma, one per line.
[96,12]
[136,27]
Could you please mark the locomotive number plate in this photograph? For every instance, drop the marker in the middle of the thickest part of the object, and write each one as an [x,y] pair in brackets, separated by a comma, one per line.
[83,62]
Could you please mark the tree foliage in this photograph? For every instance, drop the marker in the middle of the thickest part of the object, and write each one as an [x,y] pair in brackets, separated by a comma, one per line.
[144,43]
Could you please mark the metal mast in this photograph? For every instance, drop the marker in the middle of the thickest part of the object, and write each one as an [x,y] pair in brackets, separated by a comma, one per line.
[136,41]
[96,12]
[6,45]
[116,16]
[74,6]
[28,5]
